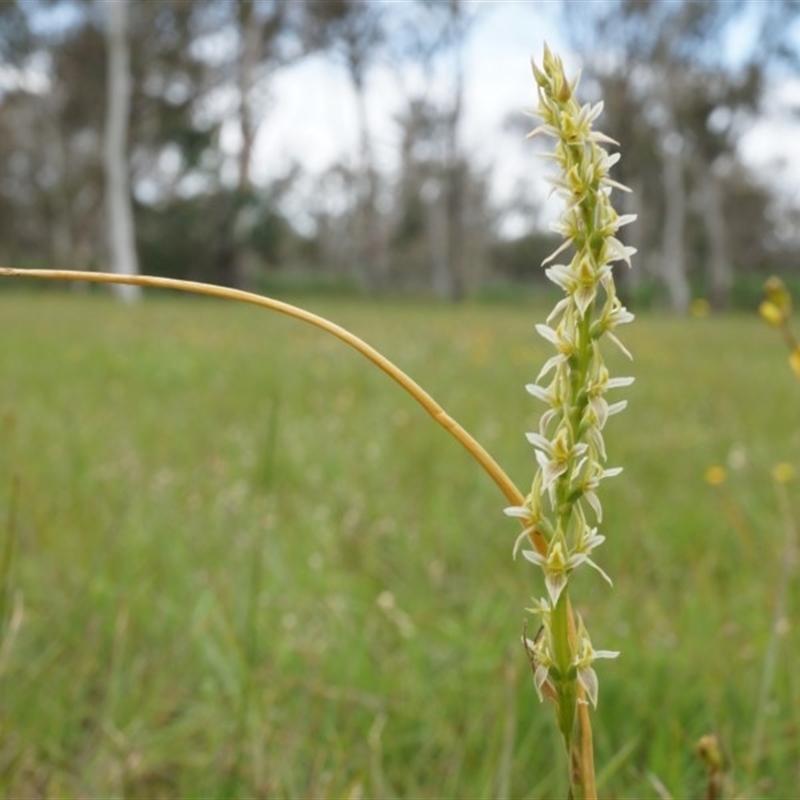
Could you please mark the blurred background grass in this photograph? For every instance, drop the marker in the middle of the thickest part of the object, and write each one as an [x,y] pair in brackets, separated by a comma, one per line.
[243,563]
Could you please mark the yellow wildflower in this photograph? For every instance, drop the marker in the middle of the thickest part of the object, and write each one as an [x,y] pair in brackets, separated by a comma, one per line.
[778,295]
[794,360]
[715,476]
[771,314]
[783,472]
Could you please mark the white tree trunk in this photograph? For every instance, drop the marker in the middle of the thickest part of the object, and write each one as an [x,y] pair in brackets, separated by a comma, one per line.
[720,272]
[372,254]
[246,65]
[673,253]
[122,244]
[455,187]
[437,239]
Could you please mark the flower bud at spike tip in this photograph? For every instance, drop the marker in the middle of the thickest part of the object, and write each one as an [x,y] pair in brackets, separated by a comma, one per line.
[710,753]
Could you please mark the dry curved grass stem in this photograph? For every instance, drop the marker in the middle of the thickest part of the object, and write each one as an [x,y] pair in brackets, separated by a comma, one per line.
[439,415]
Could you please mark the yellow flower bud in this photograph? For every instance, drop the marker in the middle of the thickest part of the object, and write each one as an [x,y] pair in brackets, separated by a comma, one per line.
[538,75]
[794,360]
[777,294]
[710,753]
[700,308]
[715,476]
[771,314]
[783,472]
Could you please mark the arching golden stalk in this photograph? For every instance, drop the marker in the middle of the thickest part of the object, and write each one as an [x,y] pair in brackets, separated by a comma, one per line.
[473,447]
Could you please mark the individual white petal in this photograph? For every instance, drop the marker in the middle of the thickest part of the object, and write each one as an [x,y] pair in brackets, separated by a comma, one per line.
[541,608]
[539,392]
[552,362]
[591,539]
[546,419]
[601,138]
[557,252]
[600,408]
[614,383]
[579,449]
[540,678]
[608,182]
[588,679]
[596,439]
[583,296]
[624,219]
[615,408]
[559,307]
[547,156]
[551,470]
[547,130]
[573,84]
[591,113]
[619,344]
[611,473]
[546,332]
[616,251]
[593,500]
[560,189]
[518,512]
[618,316]
[555,583]
[537,440]
[561,275]
[523,537]
[602,572]
[534,557]
[550,488]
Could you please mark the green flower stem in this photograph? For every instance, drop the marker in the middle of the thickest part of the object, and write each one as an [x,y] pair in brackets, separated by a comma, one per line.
[563,627]
[562,653]
[563,624]
[570,448]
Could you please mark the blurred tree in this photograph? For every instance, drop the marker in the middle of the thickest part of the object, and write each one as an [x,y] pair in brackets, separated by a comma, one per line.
[681,83]
[267,33]
[431,33]
[415,195]
[16,39]
[677,97]
[198,237]
[51,178]
[332,203]
[174,133]
[184,58]
[450,279]
[122,240]
[422,223]
[354,31]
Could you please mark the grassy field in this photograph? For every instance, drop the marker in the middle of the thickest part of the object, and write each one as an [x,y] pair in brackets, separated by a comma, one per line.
[236,561]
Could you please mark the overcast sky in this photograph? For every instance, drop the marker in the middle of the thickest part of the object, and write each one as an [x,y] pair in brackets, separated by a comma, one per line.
[310,116]
[309,113]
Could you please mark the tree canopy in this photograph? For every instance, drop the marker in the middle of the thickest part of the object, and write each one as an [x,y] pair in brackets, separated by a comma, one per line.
[682,82]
